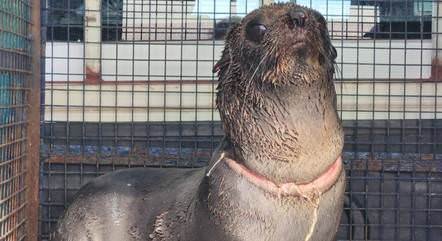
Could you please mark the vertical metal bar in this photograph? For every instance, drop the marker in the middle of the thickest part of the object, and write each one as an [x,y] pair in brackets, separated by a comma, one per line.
[372,137]
[142,21]
[397,173]
[100,142]
[148,94]
[382,173]
[156,19]
[437,100]
[436,64]
[198,38]
[69,124]
[132,94]
[214,16]
[33,129]
[43,127]
[340,64]
[164,90]
[180,120]
[50,197]
[115,146]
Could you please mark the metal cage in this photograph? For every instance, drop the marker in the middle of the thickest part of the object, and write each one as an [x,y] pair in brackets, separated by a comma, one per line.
[127,83]
[19,119]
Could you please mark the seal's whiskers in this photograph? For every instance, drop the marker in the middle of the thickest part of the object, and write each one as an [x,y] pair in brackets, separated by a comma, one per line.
[250,81]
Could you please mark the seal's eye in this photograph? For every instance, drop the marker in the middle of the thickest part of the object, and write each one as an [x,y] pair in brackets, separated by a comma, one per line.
[255,32]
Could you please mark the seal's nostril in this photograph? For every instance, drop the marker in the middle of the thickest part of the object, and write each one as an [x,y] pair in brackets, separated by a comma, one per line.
[298,18]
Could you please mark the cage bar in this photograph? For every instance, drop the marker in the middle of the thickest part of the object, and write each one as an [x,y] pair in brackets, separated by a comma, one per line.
[33,116]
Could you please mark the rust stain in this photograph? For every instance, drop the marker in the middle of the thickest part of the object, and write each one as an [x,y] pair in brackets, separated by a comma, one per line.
[436,70]
[427,163]
[92,77]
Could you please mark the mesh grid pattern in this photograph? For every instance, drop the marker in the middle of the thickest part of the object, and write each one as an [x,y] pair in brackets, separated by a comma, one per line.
[129,84]
[15,70]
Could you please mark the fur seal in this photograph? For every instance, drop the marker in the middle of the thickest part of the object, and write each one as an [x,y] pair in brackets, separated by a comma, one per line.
[276,176]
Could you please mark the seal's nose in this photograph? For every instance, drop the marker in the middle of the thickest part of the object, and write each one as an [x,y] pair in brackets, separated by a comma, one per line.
[298,17]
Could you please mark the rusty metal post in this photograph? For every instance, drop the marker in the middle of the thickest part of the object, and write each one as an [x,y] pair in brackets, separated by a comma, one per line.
[92,41]
[436,63]
[33,129]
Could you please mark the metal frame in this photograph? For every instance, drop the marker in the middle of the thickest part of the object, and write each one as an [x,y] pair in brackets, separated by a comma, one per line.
[33,128]
[19,119]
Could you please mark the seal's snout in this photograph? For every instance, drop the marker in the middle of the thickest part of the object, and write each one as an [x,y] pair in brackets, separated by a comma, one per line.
[277,42]
[298,18]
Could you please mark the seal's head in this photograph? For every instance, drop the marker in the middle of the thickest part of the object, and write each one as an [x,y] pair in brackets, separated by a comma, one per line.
[276,96]
[279,43]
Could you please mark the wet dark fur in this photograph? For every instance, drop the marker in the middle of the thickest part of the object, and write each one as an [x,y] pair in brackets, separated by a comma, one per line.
[277,104]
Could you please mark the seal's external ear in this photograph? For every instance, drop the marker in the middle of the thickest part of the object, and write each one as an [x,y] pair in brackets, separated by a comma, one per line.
[224,61]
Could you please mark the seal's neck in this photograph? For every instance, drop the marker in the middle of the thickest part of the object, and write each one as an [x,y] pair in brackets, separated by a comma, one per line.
[287,134]
[319,185]
[262,209]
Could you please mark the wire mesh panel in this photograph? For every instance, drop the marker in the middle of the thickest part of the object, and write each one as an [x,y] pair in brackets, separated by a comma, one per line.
[128,83]
[15,72]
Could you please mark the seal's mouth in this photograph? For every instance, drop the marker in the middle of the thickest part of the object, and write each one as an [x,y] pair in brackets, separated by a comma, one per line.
[299,44]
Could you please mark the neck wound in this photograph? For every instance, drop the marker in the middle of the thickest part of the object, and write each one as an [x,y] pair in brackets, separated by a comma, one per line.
[319,185]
